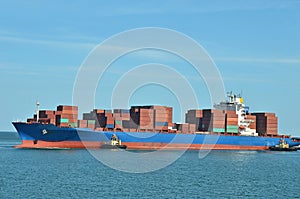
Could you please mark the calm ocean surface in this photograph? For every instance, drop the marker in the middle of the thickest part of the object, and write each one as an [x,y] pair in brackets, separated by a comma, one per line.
[28,173]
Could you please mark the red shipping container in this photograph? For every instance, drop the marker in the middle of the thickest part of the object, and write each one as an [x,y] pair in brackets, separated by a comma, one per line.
[195,113]
[66,107]
[91,126]
[69,112]
[230,112]
[99,111]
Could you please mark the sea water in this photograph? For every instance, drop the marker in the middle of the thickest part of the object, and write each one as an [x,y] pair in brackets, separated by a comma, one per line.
[32,173]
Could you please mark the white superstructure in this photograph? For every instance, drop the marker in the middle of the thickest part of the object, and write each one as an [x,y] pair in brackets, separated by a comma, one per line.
[236,103]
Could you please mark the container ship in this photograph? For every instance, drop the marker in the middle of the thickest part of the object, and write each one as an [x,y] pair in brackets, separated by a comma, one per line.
[228,126]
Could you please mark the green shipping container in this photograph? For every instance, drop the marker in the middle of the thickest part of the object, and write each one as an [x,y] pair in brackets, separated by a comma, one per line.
[232,129]
[64,120]
[232,126]
[91,122]
[219,130]
[118,122]
[229,127]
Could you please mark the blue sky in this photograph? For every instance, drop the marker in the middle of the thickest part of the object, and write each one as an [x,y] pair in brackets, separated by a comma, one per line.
[255,44]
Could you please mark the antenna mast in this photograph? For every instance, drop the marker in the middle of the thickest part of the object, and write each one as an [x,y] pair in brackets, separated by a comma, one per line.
[37,111]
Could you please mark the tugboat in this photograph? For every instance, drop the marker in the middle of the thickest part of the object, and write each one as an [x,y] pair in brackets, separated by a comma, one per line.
[115,143]
[283,146]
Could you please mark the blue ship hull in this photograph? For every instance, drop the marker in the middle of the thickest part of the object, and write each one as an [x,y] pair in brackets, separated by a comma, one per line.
[38,135]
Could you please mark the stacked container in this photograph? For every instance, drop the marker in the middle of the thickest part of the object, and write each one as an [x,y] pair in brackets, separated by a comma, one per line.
[118,119]
[142,117]
[170,115]
[48,115]
[162,117]
[183,128]
[232,122]
[130,125]
[213,121]
[266,123]
[194,117]
[89,119]
[252,124]
[146,119]
[186,128]
[110,122]
[134,122]
[91,124]
[66,116]
[121,116]
[99,118]
[45,117]
[82,123]
[157,118]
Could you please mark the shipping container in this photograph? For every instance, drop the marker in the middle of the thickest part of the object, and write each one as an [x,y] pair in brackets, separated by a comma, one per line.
[91,122]
[67,108]
[110,126]
[99,111]
[91,126]
[118,122]
[64,120]
[218,130]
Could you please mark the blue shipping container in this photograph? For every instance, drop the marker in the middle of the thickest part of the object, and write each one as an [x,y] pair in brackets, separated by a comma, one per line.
[161,123]
[110,126]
